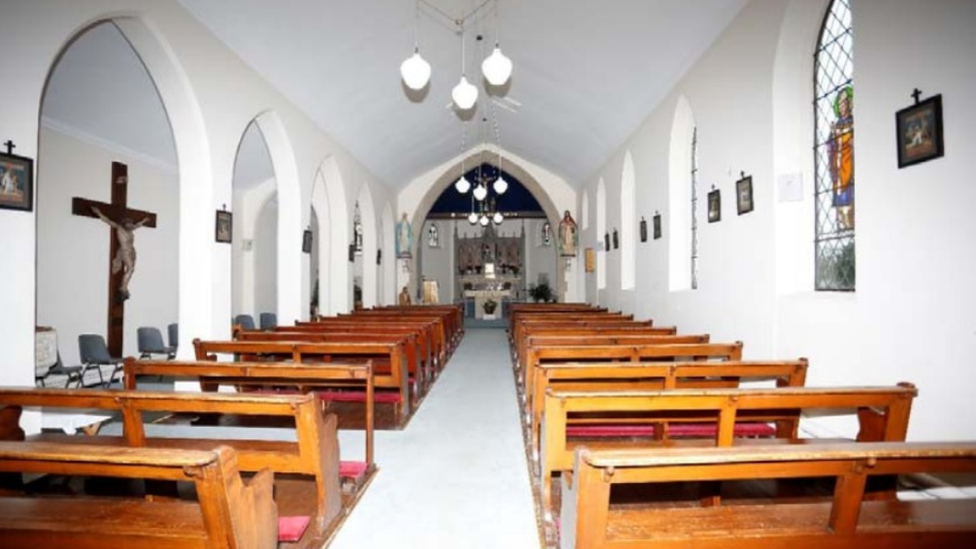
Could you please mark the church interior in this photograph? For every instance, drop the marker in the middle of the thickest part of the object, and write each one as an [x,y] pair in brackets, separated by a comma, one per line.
[465,212]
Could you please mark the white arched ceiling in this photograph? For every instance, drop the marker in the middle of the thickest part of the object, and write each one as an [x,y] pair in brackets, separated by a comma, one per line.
[628,224]
[290,217]
[388,266]
[368,217]
[339,226]
[679,192]
[601,230]
[320,203]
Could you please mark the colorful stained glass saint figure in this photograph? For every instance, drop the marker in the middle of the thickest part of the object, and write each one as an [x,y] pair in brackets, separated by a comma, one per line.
[841,156]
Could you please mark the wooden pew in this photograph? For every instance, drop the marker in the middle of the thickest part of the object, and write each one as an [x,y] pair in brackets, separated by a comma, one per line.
[308,466]
[228,513]
[541,354]
[582,332]
[848,520]
[393,354]
[613,376]
[882,414]
[304,377]
[419,377]
[441,334]
[453,316]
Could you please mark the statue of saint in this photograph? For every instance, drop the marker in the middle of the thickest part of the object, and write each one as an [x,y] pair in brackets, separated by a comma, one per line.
[125,257]
[404,237]
[404,298]
[841,157]
[568,236]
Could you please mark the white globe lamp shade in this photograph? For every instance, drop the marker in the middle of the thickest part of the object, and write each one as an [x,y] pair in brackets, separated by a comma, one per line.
[497,68]
[484,220]
[462,185]
[415,71]
[500,185]
[480,192]
[472,218]
[498,218]
[464,94]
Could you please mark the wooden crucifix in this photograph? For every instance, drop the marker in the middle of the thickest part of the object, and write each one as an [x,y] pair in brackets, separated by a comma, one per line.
[122,254]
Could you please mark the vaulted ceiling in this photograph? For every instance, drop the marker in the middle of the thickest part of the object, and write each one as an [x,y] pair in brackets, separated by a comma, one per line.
[586,73]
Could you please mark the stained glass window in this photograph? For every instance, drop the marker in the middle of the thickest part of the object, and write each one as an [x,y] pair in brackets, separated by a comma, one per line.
[834,151]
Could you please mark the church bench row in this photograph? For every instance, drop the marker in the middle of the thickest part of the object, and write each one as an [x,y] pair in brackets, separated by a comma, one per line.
[453,316]
[433,346]
[579,317]
[252,375]
[662,351]
[419,377]
[393,354]
[305,463]
[445,331]
[848,520]
[882,413]
[615,376]
[583,331]
[228,513]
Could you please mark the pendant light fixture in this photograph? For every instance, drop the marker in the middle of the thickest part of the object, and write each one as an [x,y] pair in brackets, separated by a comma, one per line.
[462,184]
[415,70]
[464,94]
[496,67]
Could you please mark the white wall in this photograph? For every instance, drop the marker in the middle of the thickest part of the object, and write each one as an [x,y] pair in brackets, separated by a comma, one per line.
[265,253]
[73,255]
[438,263]
[539,259]
[911,317]
[200,82]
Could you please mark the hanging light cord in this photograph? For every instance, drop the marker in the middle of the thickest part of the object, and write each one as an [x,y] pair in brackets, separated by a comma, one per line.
[451,20]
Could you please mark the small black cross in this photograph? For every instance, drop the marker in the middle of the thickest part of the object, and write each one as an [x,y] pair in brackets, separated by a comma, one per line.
[10,146]
[916,94]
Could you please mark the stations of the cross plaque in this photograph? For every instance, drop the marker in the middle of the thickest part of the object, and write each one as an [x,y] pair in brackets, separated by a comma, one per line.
[123,221]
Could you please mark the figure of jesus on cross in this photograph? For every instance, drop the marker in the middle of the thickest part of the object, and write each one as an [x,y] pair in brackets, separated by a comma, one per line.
[125,254]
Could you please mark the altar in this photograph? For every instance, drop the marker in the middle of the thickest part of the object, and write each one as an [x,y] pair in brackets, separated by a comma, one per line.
[480,297]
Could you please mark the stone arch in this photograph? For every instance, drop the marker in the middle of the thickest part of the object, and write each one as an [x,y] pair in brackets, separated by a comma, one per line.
[370,244]
[553,215]
[340,292]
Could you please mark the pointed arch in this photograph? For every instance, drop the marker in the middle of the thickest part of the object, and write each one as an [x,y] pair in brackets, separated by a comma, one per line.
[323,212]
[601,230]
[628,224]
[682,212]
[388,260]
[370,239]
[340,300]
[585,210]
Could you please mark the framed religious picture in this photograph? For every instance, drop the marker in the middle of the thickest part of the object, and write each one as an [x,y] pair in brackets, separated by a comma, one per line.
[352,253]
[307,241]
[590,260]
[714,206]
[606,242]
[919,131]
[657,226]
[16,182]
[616,239]
[643,229]
[743,195]
[379,257]
[224,231]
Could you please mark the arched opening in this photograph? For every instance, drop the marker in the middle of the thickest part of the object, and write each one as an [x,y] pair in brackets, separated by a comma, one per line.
[682,211]
[628,225]
[336,228]
[322,246]
[256,221]
[365,258]
[386,256]
[602,234]
[97,171]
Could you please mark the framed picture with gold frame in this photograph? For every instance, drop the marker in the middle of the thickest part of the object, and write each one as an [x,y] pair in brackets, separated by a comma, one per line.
[590,255]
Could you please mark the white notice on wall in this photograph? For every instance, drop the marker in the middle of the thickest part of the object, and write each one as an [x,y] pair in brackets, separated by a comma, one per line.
[790,187]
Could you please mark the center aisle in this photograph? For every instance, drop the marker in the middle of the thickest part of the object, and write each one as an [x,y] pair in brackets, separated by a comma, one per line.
[456,476]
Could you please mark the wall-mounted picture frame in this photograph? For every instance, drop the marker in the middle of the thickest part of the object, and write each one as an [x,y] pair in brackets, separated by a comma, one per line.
[919,132]
[643,229]
[657,226]
[379,257]
[352,253]
[590,259]
[743,195]
[714,206]
[16,182]
[307,241]
[606,242]
[224,227]
[616,240]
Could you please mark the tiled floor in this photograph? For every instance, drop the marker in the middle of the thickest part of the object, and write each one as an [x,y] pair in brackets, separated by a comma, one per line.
[456,477]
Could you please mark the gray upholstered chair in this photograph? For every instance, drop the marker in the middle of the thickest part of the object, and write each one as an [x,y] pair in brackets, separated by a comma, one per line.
[57,373]
[246,322]
[94,354]
[268,321]
[151,343]
[174,336]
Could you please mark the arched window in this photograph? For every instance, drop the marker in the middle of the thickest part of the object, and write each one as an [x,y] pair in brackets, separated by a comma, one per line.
[682,202]
[628,225]
[834,151]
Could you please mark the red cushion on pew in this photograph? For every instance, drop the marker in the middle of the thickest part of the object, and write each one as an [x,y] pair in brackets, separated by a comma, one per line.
[674,430]
[291,529]
[358,396]
[352,469]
